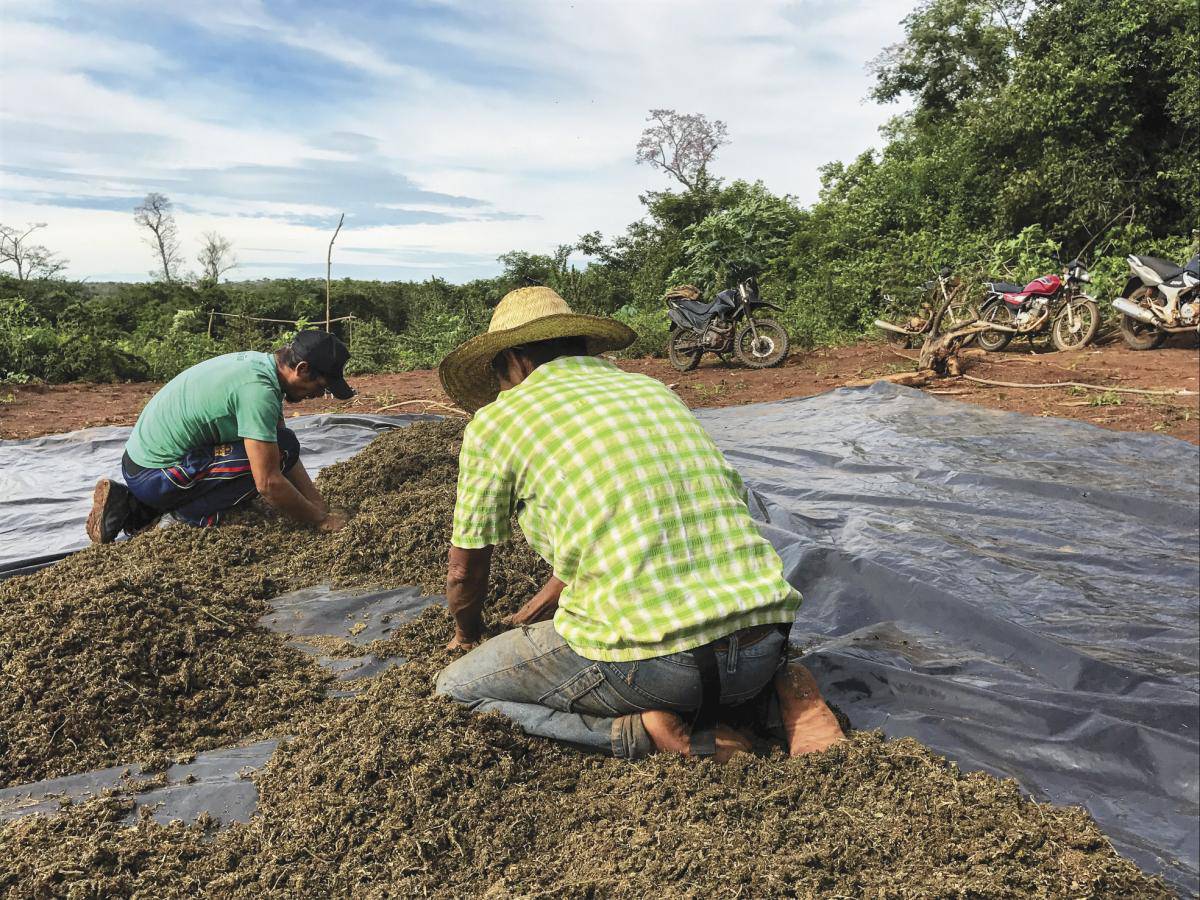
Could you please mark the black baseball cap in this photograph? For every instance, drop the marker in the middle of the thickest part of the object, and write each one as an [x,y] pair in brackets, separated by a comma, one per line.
[326,356]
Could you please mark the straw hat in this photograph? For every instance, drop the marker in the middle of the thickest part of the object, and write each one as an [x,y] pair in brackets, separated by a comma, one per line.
[523,316]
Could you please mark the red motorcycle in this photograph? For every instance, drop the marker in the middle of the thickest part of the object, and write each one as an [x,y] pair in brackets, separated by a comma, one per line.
[1051,303]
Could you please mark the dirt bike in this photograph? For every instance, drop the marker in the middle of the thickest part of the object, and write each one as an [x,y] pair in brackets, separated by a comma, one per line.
[913,330]
[726,326]
[1051,302]
[1160,299]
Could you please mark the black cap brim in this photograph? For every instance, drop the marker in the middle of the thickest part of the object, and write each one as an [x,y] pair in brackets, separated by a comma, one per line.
[339,388]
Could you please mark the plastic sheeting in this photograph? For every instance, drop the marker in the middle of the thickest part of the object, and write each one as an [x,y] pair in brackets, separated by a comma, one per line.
[1018,593]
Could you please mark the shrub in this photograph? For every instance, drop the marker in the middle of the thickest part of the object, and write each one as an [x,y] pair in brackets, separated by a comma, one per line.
[374,348]
[652,327]
[79,356]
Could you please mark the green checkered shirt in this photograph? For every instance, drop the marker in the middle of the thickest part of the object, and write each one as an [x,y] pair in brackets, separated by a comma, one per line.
[618,487]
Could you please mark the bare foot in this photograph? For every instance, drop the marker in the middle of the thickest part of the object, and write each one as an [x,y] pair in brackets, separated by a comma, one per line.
[809,724]
[730,741]
[670,735]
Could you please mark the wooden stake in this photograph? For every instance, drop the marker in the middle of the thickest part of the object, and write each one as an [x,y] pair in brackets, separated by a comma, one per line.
[328,268]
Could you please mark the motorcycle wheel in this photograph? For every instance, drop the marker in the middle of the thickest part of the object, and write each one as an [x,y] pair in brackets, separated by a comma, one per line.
[1087,321]
[1139,335]
[896,339]
[959,314]
[995,341]
[769,350]
[683,360]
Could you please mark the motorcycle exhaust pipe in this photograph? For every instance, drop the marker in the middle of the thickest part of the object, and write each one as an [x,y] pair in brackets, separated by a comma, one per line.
[1031,326]
[1134,311]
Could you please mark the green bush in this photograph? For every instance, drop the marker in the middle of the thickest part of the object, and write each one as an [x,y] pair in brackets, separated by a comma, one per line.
[652,327]
[23,339]
[373,348]
[177,350]
[85,357]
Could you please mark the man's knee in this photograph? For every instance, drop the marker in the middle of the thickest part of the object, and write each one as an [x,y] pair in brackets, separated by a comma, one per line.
[289,447]
[449,682]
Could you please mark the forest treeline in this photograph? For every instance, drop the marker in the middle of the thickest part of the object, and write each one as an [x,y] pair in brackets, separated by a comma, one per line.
[1036,131]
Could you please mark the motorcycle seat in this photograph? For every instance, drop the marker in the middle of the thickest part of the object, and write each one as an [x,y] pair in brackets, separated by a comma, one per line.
[699,308]
[1004,287]
[1163,268]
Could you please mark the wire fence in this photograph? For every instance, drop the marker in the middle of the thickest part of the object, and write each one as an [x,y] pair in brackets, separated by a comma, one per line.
[295,323]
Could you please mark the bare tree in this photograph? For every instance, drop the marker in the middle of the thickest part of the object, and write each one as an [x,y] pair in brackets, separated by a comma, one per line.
[154,213]
[216,257]
[681,145]
[30,260]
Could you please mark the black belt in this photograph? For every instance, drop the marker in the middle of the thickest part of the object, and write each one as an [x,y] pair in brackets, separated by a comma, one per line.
[705,720]
[130,466]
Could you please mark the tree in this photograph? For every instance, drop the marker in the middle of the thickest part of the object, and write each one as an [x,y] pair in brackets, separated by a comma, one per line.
[681,145]
[952,50]
[745,238]
[154,213]
[30,260]
[216,257]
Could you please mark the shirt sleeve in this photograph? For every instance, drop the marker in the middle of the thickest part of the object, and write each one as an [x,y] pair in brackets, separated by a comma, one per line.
[485,502]
[739,486]
[257,412]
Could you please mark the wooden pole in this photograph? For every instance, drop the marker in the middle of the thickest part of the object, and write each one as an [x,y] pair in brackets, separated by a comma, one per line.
[210,322]
[329,266]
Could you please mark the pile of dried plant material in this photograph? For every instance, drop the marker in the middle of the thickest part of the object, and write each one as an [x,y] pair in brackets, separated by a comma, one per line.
[395,792]
[398,793]
[151,646]
[119,652]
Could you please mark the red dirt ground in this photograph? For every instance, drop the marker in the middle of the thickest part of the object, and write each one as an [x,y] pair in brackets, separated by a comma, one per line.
[32,410]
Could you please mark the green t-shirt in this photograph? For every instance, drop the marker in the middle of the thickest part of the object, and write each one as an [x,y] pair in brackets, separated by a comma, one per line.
[218,401]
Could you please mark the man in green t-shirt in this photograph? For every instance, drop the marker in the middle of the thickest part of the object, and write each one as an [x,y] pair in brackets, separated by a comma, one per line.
[213,437]
[666,600]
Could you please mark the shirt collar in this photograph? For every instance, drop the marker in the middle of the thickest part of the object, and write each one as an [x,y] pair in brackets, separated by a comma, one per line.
[565,364]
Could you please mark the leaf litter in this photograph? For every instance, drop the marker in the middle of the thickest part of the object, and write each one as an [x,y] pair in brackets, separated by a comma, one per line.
[150,649]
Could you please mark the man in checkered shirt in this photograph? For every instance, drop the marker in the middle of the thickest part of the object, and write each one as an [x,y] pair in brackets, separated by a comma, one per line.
[665,598]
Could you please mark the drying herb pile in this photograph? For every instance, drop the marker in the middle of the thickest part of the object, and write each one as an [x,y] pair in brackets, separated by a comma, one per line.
[151,645]
[395,792]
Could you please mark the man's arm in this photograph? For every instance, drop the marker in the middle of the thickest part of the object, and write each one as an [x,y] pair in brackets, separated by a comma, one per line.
[298,476]
[541,606]
[280,493]
[466,589]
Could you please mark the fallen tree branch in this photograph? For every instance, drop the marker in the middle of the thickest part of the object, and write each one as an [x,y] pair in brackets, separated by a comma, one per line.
[445,406]
[1080,384]
[909,379]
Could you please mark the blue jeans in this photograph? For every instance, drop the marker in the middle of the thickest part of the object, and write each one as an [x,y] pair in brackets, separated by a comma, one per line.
[205,483]
[531,675]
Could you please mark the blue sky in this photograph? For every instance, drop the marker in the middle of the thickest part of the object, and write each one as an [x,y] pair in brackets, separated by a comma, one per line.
[448,132]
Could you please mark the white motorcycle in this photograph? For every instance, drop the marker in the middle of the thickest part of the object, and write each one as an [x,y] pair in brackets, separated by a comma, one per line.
[1162,298]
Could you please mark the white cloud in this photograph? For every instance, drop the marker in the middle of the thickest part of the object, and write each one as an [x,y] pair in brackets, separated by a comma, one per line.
[533,107]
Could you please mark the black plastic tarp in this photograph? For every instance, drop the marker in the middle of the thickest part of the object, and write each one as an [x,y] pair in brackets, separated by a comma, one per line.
[1018,593]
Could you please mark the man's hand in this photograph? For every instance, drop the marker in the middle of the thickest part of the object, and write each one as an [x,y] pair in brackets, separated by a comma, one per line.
[277,489]
[540,607]
[335,520]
